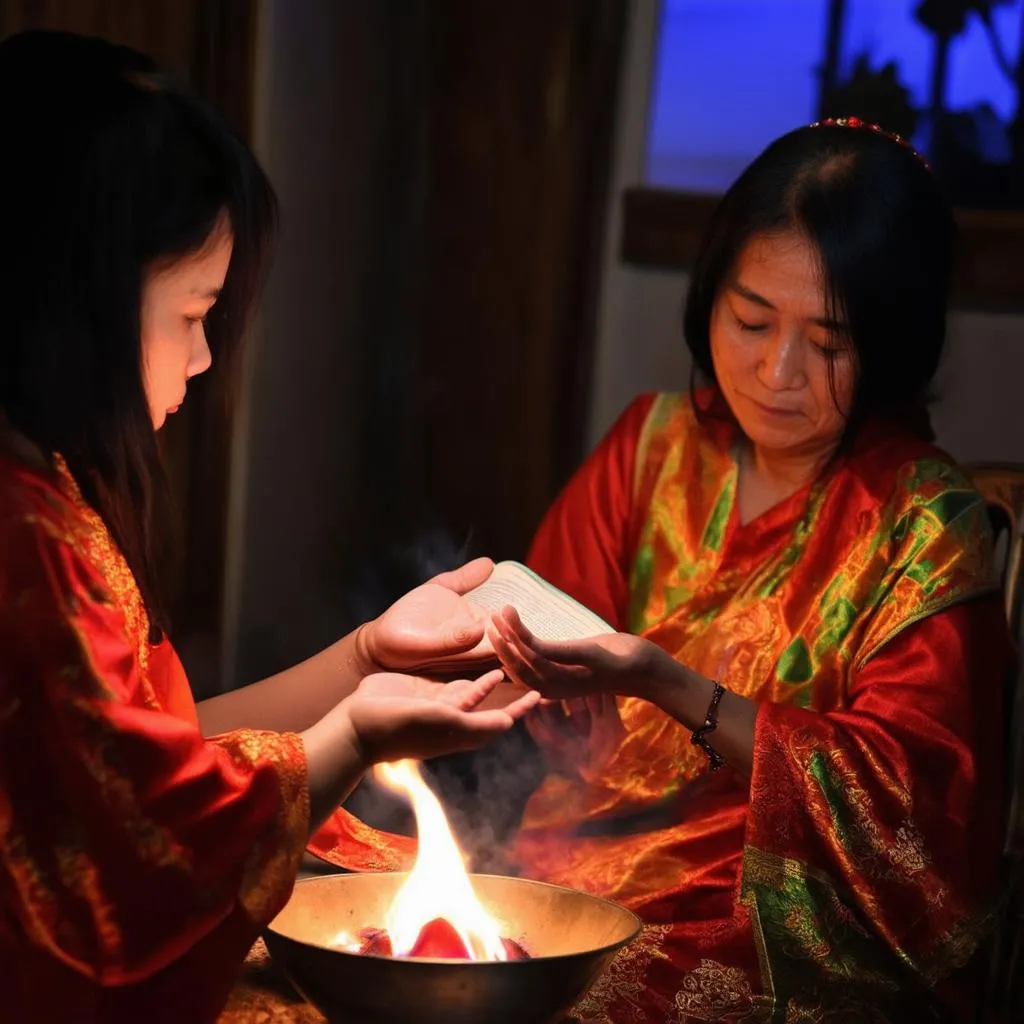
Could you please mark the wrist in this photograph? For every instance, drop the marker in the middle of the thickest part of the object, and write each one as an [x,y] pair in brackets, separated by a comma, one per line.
[669,684]
[345,737]
[362,660]
[660,677]
[336,760]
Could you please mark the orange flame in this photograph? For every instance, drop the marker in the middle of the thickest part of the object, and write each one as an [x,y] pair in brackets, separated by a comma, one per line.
[438,885]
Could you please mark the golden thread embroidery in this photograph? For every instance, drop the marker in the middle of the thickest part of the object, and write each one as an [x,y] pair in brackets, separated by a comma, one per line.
[712,990]
[272,864]
[274,859]
[97,546]
[617,997]
[908,852]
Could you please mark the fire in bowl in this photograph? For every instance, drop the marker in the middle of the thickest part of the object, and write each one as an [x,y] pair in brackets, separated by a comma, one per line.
[570,937]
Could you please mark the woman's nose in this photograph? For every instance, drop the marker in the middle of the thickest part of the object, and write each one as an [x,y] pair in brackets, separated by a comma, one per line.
[782,363]
[201,358]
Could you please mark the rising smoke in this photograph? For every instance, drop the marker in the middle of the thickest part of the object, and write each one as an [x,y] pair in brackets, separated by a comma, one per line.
[484,792]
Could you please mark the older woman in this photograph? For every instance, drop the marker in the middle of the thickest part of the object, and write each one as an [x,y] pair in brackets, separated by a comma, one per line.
[805,591]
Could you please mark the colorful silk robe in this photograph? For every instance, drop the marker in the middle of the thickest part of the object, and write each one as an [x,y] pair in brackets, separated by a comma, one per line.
[851,873]
[138,862]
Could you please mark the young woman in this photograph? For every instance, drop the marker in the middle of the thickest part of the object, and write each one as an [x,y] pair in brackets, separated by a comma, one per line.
[139,859]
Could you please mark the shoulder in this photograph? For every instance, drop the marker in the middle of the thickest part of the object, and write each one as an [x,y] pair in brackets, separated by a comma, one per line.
[930,531]
[916,481]
[43,538]
[32,501]
[675,412]
[685,433]
[674,409]
[936,489]
[922,509]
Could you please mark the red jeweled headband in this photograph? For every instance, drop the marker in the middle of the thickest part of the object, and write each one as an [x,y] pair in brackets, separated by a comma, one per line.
[856,122]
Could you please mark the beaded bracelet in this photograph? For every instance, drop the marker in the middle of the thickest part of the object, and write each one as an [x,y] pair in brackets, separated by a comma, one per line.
[710,724]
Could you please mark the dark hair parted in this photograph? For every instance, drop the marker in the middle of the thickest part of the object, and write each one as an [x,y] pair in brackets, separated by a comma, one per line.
[884,234]
[110,169]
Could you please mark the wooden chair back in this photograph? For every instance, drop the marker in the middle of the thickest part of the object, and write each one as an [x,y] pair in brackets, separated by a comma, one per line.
[1002,487]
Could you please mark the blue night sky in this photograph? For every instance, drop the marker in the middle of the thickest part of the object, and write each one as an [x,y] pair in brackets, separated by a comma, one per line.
[731,75]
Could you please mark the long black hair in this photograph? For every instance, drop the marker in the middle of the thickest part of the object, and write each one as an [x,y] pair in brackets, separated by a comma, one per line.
[884,234]
[109,168]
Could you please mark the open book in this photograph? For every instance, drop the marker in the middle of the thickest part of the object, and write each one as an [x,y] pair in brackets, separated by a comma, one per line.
[546,611]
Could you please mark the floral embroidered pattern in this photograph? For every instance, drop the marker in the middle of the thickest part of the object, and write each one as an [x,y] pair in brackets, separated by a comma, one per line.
[618,995]
[97,546]
[274,859]
[907,852]
[712,991]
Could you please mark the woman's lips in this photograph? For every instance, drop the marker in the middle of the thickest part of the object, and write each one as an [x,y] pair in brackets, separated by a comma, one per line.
[774,410]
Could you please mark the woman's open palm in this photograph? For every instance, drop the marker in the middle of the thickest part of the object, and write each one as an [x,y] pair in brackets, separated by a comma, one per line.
[397,716]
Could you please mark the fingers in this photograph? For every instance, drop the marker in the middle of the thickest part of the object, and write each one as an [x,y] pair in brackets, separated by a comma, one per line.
[558,723]
[514,620]
[466,577]
[478,725]
[463,634]
[526,665]
[550,716]
[542,728]
[600,705]
[578,652]
[512,652]
[466,694]
[522,706]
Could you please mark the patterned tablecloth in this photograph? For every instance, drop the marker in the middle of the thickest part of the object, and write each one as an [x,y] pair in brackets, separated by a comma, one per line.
[264,996]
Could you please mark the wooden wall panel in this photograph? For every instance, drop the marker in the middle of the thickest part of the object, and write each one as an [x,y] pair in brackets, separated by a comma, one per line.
[521,116]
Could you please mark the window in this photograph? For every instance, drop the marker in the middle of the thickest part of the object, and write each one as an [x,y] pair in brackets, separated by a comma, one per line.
[731,75]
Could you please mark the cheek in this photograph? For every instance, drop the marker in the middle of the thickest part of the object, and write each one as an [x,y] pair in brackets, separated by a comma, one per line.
[160,365]
[150,358]
[833,393]
[150,341]
[732,358]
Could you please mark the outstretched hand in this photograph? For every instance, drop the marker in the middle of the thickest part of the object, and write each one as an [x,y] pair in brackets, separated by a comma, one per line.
[578,734]
[431,627]
[395,716]
[610,664]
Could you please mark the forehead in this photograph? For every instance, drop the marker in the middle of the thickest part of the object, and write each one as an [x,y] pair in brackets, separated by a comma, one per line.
[782,268]
[205,269]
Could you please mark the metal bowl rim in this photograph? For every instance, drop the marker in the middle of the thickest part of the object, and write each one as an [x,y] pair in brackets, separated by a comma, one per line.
[477,964]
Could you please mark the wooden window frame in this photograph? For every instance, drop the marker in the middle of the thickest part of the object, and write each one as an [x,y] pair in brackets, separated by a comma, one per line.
[662,228]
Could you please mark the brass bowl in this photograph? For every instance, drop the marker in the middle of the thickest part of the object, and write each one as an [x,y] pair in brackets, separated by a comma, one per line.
[570,936]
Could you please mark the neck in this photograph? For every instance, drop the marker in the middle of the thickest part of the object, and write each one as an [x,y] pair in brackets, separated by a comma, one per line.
[787,471]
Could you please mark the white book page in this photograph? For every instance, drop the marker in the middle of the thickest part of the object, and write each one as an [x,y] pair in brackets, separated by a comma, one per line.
[546,611]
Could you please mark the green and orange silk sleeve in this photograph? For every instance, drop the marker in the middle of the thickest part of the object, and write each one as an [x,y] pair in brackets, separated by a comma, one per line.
[880,820]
